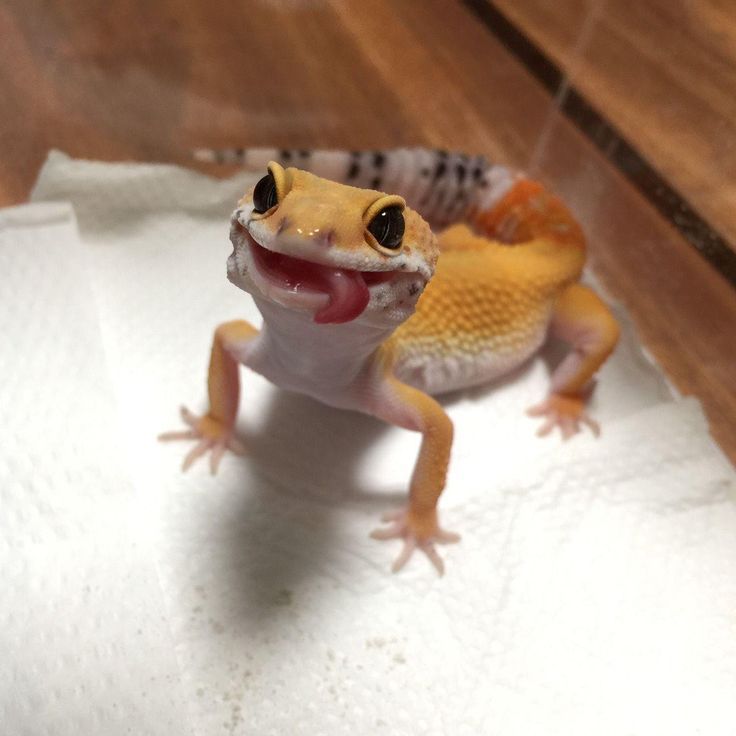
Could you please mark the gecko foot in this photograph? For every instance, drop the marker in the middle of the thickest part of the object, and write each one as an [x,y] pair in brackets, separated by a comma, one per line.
[416,535]
[212,434]
[566,412]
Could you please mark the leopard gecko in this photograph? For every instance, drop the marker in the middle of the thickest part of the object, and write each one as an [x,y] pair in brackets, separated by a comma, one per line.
[366,308]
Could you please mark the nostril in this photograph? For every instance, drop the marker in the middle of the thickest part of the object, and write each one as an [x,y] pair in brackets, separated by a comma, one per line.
[326,238]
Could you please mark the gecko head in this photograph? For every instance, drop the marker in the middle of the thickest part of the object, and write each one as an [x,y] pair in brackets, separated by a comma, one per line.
[332,251]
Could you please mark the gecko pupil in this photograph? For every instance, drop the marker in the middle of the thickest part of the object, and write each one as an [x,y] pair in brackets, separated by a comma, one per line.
[264,194]
[387,227]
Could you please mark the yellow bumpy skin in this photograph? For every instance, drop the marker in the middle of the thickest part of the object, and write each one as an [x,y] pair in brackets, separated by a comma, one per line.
[364,308]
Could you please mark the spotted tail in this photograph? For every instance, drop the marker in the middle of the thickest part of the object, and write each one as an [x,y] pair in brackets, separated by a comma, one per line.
[443,187]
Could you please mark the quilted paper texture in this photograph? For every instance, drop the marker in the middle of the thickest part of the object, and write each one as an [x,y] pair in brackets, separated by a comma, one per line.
[85,643]
[581,604]
[593,588]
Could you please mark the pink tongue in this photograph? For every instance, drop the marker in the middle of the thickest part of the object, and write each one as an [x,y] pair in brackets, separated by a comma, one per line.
[347,290]
[348,295]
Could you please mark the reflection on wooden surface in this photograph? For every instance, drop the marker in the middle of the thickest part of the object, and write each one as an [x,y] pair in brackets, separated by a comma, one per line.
[140,80]
[664,73]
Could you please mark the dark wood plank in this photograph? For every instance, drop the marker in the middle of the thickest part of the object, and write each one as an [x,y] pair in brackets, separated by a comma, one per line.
[139,80]
[664,73]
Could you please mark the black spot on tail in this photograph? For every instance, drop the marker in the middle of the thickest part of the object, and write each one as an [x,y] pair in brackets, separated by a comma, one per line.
[379,159]
[354,169]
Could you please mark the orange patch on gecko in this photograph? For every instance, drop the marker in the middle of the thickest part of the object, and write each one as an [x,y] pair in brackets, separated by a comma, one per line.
[527,210]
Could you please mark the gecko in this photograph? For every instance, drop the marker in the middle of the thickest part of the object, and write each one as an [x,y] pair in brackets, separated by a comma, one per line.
[387,278]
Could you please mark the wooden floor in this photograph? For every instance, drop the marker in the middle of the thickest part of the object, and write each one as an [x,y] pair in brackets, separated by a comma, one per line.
[133,79]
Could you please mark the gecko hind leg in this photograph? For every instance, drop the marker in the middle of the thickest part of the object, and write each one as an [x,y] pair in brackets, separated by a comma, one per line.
[581,319]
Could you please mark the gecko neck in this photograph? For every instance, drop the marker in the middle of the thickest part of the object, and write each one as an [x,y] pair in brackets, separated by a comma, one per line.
[316,355]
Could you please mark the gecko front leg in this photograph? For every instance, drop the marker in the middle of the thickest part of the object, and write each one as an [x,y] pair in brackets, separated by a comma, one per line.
[418,523]
[215,430]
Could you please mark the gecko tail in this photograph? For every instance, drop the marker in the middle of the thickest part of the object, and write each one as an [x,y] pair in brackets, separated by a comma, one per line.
[327,164]
[253,159]
[207,155]
[529,212]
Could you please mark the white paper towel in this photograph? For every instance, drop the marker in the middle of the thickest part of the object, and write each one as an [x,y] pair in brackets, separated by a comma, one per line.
[85,641]
[593,591]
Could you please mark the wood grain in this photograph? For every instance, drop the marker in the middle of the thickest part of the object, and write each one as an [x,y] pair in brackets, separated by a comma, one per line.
[664,73]
[139,80]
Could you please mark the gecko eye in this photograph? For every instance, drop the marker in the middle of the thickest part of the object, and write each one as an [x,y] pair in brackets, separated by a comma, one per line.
[387,227]
[265,195]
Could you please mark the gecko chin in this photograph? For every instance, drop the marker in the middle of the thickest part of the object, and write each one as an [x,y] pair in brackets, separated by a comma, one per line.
[332,294]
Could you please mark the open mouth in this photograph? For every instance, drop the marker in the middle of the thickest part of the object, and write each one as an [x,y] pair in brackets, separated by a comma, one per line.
[347,290]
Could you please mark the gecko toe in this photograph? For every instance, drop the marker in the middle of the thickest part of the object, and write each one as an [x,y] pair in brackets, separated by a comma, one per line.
[184,434]
[392,532]
[407,551]
[188,417]
[595,428]
[445,537]
[236,446]
[197,451]
[216,456]
[434,557]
